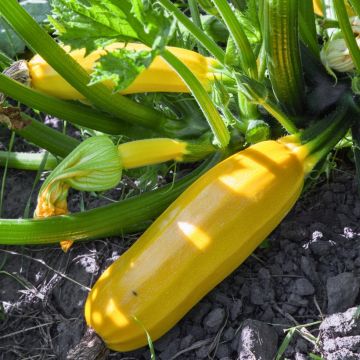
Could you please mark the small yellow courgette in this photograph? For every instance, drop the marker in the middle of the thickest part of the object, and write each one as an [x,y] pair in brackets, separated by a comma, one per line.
[199,240]
[159,77]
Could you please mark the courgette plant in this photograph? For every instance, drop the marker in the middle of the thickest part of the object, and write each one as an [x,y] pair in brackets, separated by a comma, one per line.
[247,71]
[258,77]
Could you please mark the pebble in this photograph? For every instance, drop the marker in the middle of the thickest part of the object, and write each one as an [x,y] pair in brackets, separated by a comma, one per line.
[342,291]
[167,339]
[223,350]
[186,341]
[303,287]
[214,320]
[228,334]
[257,340]
[235,309]
[297,300]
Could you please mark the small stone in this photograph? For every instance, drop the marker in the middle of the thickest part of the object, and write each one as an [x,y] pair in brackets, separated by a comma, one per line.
[320,247]
[171,350]
[342,291]
[264,274]
[308,268]
[257,296]
[186,341]
[267,315]
[214,320]
[223,299]
[303,287]
[297,300]
[200,311]
[196,331]
[168,338]
[288,308]
[224,350]
[257,341]
[202,352]
[229,334]
[300,356]
[235,310]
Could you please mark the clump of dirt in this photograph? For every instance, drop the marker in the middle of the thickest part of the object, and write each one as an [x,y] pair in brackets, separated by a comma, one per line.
[301,282]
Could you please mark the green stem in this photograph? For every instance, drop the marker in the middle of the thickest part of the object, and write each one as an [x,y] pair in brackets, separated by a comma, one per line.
[247,57]
[346,29]
[257,93]
[127,216]
[209,44]
[71,111]
[356,6]
[326,133]
[308,27]
[47,138]
[195,16]
[102,97]
[283,53]
[27,161]
[217,125]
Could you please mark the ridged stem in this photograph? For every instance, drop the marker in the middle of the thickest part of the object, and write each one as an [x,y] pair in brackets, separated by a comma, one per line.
[195,17]
[257,93]
[74,74]
[73,112]
[47,138]
[127,216]
[26,161]
[346,29]
[247,57]
[217,125]
[283,54]
[308,27]
[209,44]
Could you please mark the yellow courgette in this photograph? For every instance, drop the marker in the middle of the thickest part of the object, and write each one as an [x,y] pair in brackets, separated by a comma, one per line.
[199,240]
[159,77]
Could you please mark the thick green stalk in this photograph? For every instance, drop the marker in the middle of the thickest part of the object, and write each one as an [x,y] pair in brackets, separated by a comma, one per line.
[195,16]
[325,134]
[127,216]
[102,97]
[73,112]
[308,27]
[247,57]
[47,138]
[257,93]
[27,161]
[217,125]
[198,34]
[283,54]
[346,29]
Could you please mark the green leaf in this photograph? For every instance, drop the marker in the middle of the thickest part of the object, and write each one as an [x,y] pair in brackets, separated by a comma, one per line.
[10,43]
[94,24]
[83,25]
[122,67]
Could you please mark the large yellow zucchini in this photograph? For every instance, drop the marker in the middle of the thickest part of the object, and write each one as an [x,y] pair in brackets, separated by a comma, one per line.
[199,240]
[159,77]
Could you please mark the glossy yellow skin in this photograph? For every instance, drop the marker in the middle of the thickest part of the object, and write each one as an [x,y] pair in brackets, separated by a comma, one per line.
[159,77]
[139,153]
[198,241]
